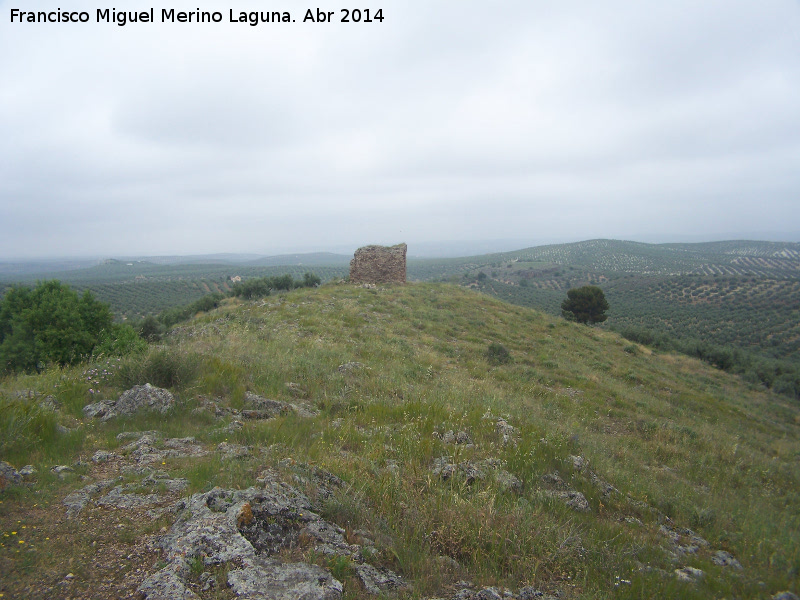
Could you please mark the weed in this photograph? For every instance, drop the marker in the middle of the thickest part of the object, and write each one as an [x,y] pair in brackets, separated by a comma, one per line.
[161,367]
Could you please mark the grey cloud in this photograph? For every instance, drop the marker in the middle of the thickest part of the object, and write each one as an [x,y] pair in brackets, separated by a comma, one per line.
[451,120]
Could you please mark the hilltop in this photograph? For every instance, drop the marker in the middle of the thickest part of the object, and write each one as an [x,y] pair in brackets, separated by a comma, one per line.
[743,294]
[442,435]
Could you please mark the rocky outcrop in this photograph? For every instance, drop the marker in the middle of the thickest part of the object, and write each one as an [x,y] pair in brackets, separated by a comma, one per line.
[246,530]
[138,398]
[379,264]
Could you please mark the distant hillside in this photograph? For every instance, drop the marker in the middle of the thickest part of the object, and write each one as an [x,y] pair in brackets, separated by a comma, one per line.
[135,288]
[315,259]
[16,269]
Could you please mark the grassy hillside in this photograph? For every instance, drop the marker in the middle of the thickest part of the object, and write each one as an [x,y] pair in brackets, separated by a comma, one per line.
[656,444]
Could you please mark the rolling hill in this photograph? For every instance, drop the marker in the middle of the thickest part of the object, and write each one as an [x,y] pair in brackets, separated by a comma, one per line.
[445,435]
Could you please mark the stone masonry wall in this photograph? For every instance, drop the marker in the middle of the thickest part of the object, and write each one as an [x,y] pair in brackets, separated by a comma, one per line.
[379,264]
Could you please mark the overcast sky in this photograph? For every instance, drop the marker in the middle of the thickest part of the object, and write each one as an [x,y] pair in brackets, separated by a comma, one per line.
[448,120]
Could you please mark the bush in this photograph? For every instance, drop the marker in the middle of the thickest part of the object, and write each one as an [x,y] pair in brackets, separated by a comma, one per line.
[49,324]
[497,354]
[311,280]
[150,329]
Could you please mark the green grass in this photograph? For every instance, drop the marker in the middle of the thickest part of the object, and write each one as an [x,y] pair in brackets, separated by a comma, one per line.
[676,438]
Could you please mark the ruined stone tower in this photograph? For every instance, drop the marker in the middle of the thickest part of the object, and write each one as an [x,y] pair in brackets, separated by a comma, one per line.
[379,264]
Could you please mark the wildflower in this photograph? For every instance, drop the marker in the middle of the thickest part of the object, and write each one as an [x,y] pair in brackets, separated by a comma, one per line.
[22,541]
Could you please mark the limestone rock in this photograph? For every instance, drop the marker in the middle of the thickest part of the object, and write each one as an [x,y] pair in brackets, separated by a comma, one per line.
[508,433]
[8,475]
[144,397]
[575,500]
[210,525]
[507,481]
[284,581]
[466,470]
[379,580]
[689,574]
[578,462]
[257,407]
[75,501]
[725,559]
[379,264]
[102,456]
[138,398]
[166,584]
[530,593]
[229,451]
[27,472]
[119,499]
[462,437]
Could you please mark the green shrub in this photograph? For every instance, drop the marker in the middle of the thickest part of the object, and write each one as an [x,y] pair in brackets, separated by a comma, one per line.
[150,329]
[497,354]
[120,340]
[311,280]
[49,324]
